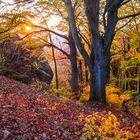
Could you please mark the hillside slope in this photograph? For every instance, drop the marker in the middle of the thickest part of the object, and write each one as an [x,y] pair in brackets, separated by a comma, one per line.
[28,115]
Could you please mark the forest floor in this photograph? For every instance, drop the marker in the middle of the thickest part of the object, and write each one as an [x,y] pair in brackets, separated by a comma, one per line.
[29,115]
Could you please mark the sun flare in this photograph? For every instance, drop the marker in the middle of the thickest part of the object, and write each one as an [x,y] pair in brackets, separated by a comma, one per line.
[27,28]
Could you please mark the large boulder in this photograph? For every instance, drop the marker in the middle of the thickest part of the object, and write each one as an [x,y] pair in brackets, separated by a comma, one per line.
[44,72]
[21,65]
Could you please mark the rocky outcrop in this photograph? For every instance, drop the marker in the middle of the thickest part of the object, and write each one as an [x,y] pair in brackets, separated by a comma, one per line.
[18,63]
[44,72]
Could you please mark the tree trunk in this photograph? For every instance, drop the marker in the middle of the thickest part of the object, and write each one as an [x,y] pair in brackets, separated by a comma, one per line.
[73,60]
[86,74]
[98,69]
[92,87]
[74,32]
[98,51]
[80,71]
[99,83]
[101,71]
[55,66]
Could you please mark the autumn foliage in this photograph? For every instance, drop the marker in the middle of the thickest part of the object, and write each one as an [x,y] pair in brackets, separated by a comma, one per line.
[31,115]
[77,63]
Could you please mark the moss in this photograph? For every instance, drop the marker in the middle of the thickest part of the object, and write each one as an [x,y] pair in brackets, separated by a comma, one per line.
[22,78]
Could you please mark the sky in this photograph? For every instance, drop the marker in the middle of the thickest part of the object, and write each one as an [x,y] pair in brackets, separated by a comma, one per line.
[53,20]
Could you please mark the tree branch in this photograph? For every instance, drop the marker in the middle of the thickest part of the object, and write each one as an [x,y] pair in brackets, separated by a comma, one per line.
[129,16]
[124,25]
[113,4]
[125,2]
[59,11]
[1,32]
[84,37]
[51,31]
[31,34]
[44,30]
[116,53]
[52,45]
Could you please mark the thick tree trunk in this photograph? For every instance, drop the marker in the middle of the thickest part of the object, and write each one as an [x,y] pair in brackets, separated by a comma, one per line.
[74,74]
[98,68]
[97,52]
[102,72]
[100,83]
[92,87]
[107,65]
[74,69]
[99,76]
[101,79]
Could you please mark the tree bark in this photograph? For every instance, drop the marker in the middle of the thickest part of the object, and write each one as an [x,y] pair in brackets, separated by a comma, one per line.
[55,64]
[80,71]
[86,74]
[79,44]
[56,72]
[100,45]
[73,60]
[97,51]
[92,87]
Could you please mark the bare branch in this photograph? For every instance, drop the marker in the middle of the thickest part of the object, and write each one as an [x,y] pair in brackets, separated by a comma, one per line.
[39,31]
[45,30]
[52,45]
[51,31]
[20,1]
[129,16]
[5,37]
[125,2]
[1,32]
[124,25]
[84,38]
[61,58]
[75,4]
[59,11]
[116,53]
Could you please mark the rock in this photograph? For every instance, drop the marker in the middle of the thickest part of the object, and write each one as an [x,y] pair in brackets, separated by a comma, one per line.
[23,78]
[20,64]
[45,73]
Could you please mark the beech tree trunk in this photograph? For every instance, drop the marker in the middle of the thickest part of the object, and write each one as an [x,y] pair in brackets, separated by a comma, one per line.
[56,72]
[100,45]
[80,71]
[102,72]
[86,74]
[73,60]
[97,51]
